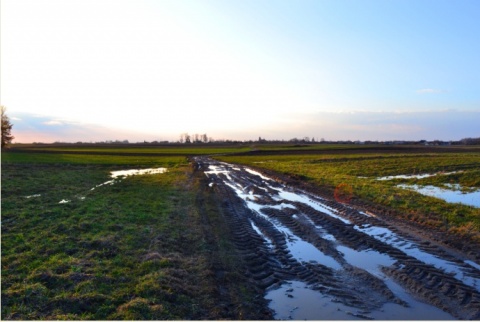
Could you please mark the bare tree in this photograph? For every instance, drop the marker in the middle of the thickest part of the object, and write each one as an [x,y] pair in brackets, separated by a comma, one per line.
[7,136]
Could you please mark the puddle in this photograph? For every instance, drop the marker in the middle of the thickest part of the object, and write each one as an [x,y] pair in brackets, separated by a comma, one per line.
[134,172]
[119,174]
[372,261]
[303,251]
[258,174]
[416,310]
[369,260]
[469,262]
[126,173]
[33,196]
[268,241]
[218,170]
[387,236]
[294,300]
[110,182]
[320,230]
[290,196]
[282,206]
[451,196]
[415,176]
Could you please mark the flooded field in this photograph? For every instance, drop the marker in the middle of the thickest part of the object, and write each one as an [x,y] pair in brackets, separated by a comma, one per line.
[321,259]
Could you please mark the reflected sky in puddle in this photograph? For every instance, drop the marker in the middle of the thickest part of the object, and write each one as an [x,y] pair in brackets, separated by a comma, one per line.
[369,260]
[387,236]
[33,196]
[415,176]
[134,172]
[451,196]
[257,174]
[115,175]
[303,251]
[294,300]
[218,170]
[290,196]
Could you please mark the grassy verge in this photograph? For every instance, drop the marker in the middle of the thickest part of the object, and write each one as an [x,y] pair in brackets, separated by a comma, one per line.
[360,172]
[145,247]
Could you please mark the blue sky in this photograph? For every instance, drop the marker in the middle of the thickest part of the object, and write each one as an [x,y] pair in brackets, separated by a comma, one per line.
[151,70]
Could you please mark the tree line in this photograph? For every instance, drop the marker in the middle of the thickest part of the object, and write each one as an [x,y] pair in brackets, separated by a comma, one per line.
[186,138]
[194,138]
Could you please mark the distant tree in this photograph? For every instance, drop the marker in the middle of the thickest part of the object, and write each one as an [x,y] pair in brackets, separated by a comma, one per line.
[7,136]
[185,138]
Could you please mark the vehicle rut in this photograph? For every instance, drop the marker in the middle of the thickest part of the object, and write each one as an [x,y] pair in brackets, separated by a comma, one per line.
[348,255]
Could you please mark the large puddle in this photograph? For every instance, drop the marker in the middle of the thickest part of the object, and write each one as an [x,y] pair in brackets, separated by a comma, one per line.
[116,177]
[416,176]
[136,172]
[388,237]
[452,196]
[296,300]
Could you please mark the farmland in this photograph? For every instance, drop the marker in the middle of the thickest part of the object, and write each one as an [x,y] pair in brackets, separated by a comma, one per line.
[78,245]
[361,171]
[141,248]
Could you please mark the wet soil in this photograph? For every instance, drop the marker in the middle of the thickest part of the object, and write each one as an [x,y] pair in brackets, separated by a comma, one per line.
[354,255]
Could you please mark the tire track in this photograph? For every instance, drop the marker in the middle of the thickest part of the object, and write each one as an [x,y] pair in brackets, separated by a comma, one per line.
[285,234]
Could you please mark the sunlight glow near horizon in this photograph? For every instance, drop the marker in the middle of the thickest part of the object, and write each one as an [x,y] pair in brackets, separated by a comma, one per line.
[247,68]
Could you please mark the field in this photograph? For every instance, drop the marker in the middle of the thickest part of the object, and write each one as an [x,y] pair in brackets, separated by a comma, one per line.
[359,171]
[141,248]
[77,245]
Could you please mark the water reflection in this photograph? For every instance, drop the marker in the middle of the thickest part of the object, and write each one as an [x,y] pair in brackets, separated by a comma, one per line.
[451,196]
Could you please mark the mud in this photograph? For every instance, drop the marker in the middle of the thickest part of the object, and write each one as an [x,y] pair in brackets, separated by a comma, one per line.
[323,259]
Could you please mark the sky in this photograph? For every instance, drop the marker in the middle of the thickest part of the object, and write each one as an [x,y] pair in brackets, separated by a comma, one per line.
[94,70]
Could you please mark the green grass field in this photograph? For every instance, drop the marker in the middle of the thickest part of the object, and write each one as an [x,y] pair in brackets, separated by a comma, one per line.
[155,246]
[138,249]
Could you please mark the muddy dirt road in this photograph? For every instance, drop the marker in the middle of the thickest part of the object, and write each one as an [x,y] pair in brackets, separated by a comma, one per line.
[315,258]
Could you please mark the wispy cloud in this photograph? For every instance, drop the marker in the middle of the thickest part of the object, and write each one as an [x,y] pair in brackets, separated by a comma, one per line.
[53,122]
[29,128]
[447,124]
[430,91]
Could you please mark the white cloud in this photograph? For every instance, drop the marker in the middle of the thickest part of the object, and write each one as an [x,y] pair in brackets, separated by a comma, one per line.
[53,122]
[362,125]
